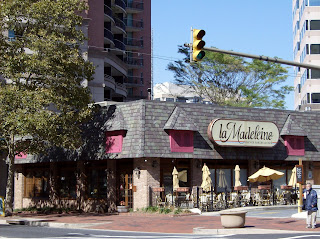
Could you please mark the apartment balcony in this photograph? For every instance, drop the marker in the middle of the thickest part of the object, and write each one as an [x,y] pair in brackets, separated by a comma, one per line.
[109,82]
[108,14]
[120,65]
[134,6]
[134,63]
[120,6]
[119,27]
[134,43]
[134,25]
[108,37]
[121,89]
[119,44]
[134,81]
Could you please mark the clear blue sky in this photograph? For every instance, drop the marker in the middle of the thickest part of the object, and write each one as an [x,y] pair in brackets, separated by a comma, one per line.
[261,27]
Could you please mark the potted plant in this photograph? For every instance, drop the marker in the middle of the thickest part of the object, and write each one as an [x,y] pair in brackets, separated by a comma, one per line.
[122,207]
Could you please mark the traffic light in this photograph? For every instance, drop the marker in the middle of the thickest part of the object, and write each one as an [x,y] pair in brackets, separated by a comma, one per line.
[198,44]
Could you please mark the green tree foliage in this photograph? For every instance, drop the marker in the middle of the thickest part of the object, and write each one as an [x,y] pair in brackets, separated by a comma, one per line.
[43,69]
[230,80]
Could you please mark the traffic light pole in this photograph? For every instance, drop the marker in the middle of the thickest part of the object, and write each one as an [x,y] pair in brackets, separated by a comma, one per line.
[264,58]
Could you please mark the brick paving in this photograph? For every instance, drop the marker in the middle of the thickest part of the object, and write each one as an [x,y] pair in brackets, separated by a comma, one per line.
[169,224]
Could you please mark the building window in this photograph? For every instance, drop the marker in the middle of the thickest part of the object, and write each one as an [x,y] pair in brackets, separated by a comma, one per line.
[97,183]
[68,183]
[181,141]
[315,74]
[294,145]
[36,183]
[315,48]
[170,99]
[114,141]
[315,97]
[315,25]
[314,2]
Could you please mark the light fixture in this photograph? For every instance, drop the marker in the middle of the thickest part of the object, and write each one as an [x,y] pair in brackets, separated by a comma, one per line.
[137,172]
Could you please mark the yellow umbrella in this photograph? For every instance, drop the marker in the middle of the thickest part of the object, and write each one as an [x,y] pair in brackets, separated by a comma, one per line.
[265,174]
[222,179]
[183,176]
[175,180]
[206,179]
[237,176]
[293,178]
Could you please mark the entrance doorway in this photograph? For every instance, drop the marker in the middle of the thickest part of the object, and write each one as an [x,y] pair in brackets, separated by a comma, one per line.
[125,183]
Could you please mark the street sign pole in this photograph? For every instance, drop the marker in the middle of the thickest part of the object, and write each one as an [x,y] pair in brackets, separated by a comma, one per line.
[299,175]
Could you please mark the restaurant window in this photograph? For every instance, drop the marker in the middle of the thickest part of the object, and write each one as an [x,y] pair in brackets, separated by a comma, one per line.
[294,145]
[68,182]
[181,141]
[97,183]
[114,141]
[223,180]
[281,181]
[36,183]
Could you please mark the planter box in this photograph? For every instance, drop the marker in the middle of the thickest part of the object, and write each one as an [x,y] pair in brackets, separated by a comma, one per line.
[182,189]
[233,219]
[264,187]
[158,189]
[239,188]
[285,187]
[122,209]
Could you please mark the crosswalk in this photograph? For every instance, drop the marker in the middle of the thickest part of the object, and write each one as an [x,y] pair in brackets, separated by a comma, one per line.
[151,236]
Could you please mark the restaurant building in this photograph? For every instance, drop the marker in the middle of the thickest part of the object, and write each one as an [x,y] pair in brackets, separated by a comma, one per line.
[131,148]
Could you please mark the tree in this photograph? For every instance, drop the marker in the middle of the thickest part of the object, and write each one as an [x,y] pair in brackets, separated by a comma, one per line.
[230,80]
[42,100]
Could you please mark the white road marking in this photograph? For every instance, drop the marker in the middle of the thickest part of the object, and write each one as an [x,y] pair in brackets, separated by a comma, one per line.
[303,236]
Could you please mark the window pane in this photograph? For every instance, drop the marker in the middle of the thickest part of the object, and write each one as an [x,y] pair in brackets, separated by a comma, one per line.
[314,2]
[315,74]
[315,48]
[315,98]
[212,176]
[224,180]
[281,181]
[315,25]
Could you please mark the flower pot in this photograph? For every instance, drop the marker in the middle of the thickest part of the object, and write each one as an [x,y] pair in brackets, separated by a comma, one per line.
[233,219]
[122,209]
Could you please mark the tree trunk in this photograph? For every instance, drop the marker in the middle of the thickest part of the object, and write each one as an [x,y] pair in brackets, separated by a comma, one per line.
[10,182]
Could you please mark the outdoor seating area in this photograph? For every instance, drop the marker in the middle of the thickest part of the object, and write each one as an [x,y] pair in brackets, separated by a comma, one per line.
[206,199]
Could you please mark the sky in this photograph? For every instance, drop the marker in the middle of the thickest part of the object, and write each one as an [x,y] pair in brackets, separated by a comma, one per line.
[260,27]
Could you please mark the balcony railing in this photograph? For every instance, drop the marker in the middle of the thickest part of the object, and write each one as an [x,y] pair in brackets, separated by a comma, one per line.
[108,34]
[134,61]
[121,4]
[134,80]
[135,5]
[107,10]
[120,23]
[119,44]
[134,42]
[134,23]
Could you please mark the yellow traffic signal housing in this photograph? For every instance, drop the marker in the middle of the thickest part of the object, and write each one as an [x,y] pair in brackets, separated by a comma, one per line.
[198,44]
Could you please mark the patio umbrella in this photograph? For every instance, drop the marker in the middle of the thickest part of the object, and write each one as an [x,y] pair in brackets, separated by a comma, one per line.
[237,176]
[183,176]
[175,180]
[265,174]
[222,179]
[293,178]
[206,179]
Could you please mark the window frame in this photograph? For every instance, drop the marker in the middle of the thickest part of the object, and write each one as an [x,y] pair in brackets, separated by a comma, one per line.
[180,144]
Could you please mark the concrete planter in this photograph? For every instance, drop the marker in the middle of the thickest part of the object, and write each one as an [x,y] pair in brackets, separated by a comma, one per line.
[233,219]
[122,209]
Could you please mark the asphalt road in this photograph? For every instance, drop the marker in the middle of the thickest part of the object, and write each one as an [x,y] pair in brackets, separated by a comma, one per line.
[15,231]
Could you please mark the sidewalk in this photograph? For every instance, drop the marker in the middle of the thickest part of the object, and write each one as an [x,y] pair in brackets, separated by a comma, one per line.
[204,224]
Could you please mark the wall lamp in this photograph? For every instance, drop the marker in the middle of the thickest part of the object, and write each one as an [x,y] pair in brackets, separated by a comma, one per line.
[137,172]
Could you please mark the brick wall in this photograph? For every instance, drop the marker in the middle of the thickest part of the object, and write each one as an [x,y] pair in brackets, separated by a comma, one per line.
[18,189]
[149,177]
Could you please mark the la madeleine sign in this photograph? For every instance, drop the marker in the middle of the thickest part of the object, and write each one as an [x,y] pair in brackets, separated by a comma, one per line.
[242,133]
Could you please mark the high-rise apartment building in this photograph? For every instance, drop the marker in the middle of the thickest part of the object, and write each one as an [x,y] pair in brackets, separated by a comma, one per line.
[306,48]
[119,45]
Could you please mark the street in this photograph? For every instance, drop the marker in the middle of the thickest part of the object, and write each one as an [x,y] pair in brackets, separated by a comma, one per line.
[14,231]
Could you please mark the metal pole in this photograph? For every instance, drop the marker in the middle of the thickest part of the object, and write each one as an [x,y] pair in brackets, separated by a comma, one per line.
[300,202]
[190,45]
[263,58]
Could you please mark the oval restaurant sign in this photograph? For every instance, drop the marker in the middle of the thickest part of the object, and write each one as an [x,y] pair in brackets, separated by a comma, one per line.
[242,133]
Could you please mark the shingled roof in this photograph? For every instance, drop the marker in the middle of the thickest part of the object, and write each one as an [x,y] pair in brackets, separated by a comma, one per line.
[291,127]
[179,120]
[115,119]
